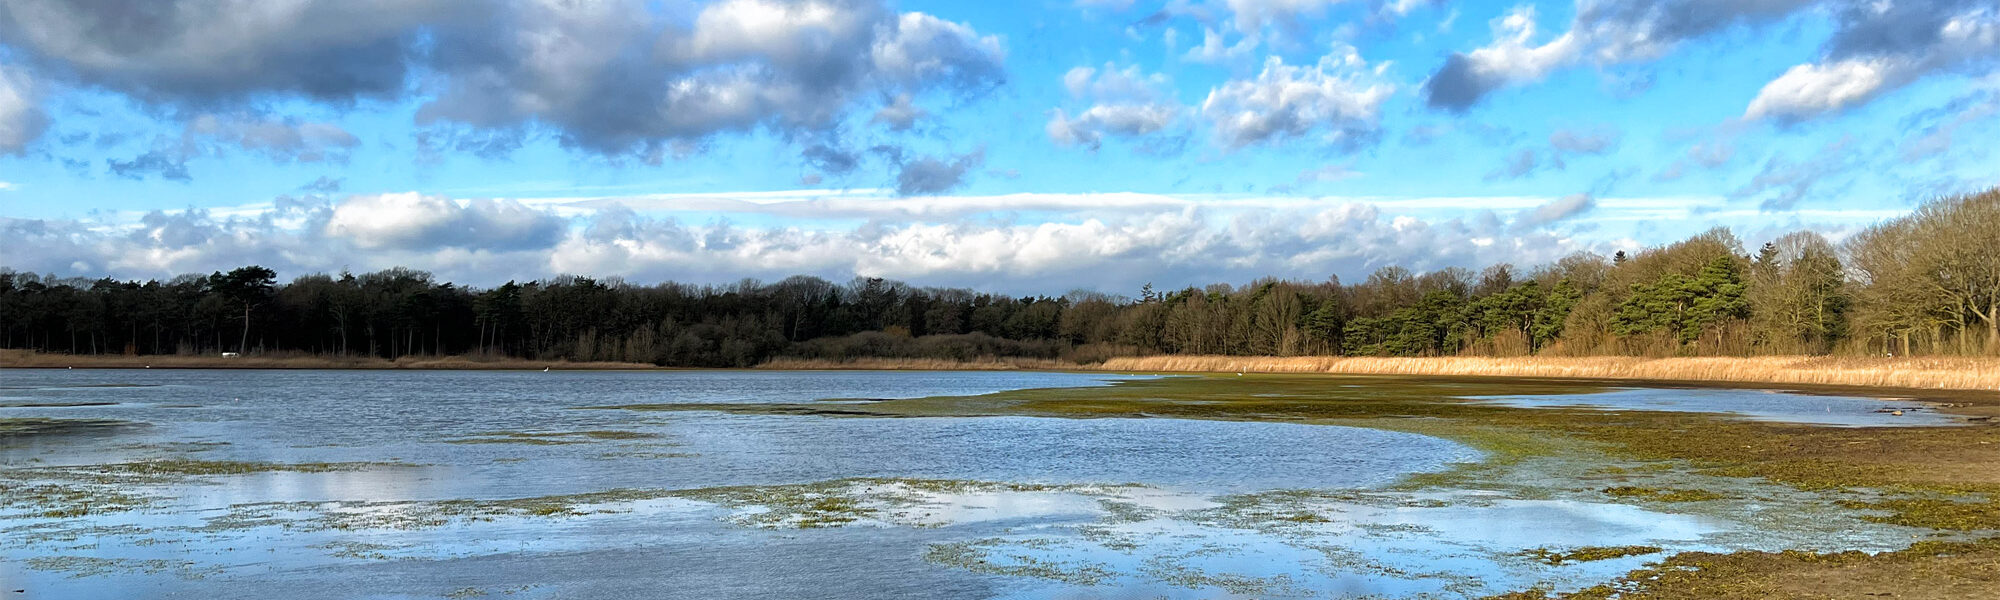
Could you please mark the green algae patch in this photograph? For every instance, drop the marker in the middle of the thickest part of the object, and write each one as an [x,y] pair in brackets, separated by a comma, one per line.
[1662,494]
[981,556]
[1587,554]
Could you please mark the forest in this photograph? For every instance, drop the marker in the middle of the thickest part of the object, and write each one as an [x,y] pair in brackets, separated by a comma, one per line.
[1925,283]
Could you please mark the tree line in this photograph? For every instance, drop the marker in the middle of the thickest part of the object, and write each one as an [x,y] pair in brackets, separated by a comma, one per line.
[1925,283]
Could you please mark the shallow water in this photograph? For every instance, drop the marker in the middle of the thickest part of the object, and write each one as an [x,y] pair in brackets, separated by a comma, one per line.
[713,504]
[1752,405]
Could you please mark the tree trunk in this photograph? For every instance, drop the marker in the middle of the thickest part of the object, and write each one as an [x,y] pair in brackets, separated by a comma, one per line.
[242,345]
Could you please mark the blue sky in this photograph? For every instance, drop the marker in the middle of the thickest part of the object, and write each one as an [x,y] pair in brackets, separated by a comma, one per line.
[1032,146]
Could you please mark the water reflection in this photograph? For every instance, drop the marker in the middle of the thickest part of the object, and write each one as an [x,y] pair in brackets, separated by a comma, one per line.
[1752,405]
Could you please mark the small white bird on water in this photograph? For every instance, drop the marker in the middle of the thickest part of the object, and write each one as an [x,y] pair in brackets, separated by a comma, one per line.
[546,369]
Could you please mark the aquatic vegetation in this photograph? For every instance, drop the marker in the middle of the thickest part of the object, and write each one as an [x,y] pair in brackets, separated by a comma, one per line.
[977,556]
[1662,495]
[1587,554]
[1167,570]
[1935,512]
[87,566]
[841,502]
[59,501]
[1927,569]
[356,550]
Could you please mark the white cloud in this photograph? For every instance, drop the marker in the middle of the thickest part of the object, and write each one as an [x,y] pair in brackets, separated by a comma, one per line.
[1811,89]
[1339,98]
[1607,32]
[1124,103]
[21,118]
[1112,242]
[1856,76]
[413,221]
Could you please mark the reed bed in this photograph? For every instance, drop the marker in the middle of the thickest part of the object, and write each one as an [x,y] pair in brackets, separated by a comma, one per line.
[1953,373]
[923,364]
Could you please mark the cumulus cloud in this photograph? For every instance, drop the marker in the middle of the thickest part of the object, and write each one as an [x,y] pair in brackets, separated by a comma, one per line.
[1123,103]
[617,77]
[208,52]
[21,118]
[21,113]
[1465,78]
[413,221]
[1607,32]
[1179,244]
[1339,98]
[1880,47]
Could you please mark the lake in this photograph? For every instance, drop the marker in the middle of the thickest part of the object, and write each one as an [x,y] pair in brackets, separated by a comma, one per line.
[452,484]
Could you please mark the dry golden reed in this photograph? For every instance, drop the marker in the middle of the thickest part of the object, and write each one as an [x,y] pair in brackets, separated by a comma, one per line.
[1954,373]
[923,364]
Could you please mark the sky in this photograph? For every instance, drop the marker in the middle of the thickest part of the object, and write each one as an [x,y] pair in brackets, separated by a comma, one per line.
[1036,146]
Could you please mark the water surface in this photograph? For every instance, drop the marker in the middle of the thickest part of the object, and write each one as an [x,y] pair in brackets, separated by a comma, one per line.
[457,484]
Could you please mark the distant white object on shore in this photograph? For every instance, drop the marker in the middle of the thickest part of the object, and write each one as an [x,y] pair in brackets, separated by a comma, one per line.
[231,354]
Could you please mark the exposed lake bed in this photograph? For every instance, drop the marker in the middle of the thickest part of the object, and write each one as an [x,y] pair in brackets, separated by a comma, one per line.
[706,484]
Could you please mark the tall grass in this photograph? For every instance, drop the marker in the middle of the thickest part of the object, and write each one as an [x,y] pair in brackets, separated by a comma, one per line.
[1957,373]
